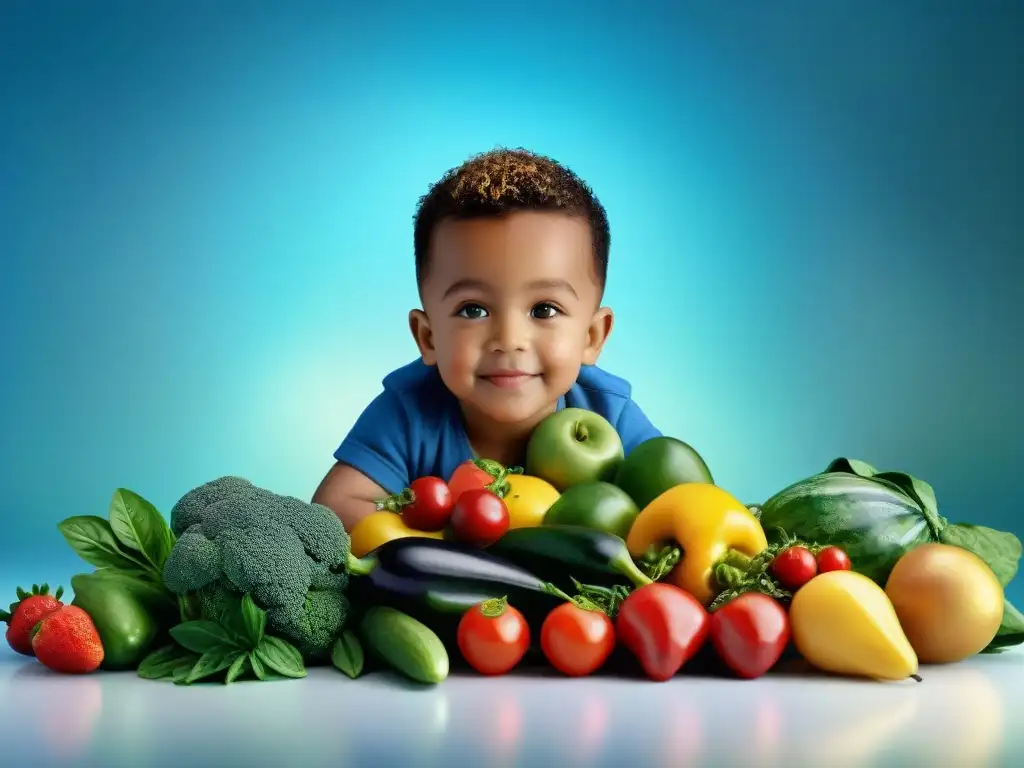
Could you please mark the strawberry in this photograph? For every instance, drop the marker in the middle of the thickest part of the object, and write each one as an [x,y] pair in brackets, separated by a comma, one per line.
[26,613]
[66,641]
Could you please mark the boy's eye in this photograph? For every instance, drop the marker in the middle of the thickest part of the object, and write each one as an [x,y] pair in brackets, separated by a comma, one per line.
[472,312]
[544,311]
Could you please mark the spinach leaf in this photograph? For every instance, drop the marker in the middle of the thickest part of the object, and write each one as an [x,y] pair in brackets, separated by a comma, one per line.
[347,654]
[93,540]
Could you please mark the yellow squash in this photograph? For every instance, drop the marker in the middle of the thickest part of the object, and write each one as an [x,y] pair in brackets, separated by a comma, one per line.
[707,523]
[843,622]
[528,499]
[379,527]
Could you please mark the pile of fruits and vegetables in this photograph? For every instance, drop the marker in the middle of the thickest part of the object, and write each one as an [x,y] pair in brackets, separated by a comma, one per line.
[584,560]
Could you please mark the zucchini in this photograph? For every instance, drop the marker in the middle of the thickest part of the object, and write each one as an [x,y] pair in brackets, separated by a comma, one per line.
[565,552]
[871,519]
[405,644]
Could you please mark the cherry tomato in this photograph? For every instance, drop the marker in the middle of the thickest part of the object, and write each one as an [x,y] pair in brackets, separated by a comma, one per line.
[577,641]
[493,637]
[480,518]
[833,559]
[468,476]
[794,567]
[749,633]
[431,504]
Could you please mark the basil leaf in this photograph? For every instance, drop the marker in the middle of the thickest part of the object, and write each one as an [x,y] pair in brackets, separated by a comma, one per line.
[181,674]
[281,656]
[237,668]
[162,663]
[93,540]
[212,662]
[999,549]
[257,666]
[254,620]
[347,654]
[202,636]
[139,526]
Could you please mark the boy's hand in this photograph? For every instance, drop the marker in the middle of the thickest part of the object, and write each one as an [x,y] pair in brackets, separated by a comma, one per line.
[350,493]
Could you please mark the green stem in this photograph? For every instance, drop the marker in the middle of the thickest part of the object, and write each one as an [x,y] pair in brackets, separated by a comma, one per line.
[363,566]
[396,501]
[554,591]
[494,607]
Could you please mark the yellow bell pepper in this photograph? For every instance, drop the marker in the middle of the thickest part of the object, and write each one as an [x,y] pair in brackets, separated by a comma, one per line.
[527,500]
[380,527]
[707,523]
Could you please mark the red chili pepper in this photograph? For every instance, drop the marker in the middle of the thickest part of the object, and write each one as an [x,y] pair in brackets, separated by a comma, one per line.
[749,633]
[663,626]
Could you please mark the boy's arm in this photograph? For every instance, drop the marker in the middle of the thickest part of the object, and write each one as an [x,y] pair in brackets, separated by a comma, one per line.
[372,461]
[350,493]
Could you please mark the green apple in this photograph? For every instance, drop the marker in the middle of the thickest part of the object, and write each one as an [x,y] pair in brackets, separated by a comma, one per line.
[573,446]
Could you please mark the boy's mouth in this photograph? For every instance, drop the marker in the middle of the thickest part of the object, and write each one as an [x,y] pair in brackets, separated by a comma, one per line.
[508,379]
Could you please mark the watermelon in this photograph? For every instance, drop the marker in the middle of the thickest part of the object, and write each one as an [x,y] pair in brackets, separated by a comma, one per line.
[876,517]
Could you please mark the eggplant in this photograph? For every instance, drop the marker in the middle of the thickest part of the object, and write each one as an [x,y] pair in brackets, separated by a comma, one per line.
[437,581]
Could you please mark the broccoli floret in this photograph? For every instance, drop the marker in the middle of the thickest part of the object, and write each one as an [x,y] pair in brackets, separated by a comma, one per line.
[290,556]
[193,563]
[190,507]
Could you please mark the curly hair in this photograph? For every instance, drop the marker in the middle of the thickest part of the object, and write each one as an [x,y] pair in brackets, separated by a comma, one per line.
[503,181]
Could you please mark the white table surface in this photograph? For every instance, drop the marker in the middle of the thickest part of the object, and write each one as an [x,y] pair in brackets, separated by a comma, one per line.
[968,714]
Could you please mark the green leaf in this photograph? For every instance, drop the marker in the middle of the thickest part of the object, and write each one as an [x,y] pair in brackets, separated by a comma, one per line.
[202,636]
[139,526]
[281,656]
[93,540]
[254,620]
[237,668]
[212,662]
[181,674]
[1011,630]
[999,549]
[162,663]
[347,654]
[257,666]
[852,466]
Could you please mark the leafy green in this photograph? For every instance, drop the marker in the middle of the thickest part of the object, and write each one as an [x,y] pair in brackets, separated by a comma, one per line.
[347,654]
[162,663]
[999,549]
[93,540]
[139,527]
[281,656]
[201,636]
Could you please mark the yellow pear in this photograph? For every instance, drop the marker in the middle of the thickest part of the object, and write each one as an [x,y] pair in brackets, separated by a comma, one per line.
[844,623]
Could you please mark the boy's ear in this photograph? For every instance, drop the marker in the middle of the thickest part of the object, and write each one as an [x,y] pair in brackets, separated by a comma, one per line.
[597,334]
[419,324]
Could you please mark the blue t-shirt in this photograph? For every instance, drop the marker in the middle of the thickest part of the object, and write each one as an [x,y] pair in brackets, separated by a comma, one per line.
[415,427]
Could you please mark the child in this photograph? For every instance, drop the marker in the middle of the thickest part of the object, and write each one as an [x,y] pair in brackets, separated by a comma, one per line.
[511,256]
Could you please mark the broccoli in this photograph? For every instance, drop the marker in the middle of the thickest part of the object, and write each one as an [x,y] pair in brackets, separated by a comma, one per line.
[290,556]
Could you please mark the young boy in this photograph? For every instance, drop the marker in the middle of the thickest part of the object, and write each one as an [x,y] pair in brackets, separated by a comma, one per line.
[511,257]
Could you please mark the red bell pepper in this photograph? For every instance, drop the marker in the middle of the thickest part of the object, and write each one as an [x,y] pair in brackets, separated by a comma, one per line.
[663,626]
[749,633]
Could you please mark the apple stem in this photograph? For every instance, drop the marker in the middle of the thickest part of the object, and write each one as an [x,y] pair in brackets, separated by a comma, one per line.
[581,432]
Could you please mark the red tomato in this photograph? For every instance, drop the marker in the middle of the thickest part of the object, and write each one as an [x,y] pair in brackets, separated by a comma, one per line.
[493,637]
[468,476]
[480,518]
[794,567]
[431,504]
[749,633]
[833,559]
[577,641]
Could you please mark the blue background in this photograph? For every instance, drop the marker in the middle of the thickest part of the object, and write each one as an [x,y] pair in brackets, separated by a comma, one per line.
[206,232]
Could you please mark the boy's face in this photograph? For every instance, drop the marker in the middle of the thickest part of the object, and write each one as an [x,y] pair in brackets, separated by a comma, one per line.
[511,311]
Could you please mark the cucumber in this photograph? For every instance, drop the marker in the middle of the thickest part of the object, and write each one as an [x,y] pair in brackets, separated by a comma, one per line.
[406,645]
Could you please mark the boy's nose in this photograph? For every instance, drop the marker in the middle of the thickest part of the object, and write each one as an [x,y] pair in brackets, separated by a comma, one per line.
[510,335]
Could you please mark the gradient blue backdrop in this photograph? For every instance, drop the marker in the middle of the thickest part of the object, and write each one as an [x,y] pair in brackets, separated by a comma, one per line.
[206,242]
